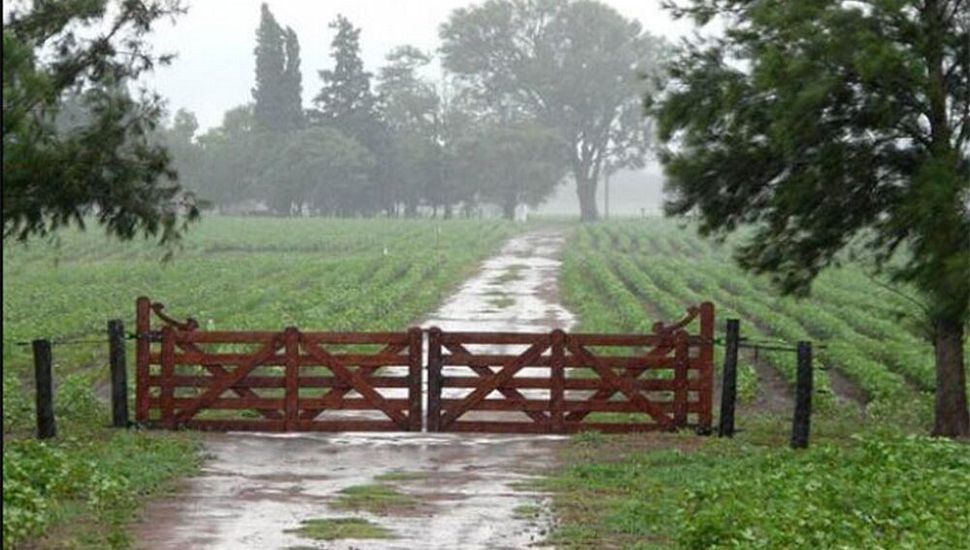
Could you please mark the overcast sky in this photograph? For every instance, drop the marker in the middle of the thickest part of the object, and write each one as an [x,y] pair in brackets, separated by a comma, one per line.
[214,41]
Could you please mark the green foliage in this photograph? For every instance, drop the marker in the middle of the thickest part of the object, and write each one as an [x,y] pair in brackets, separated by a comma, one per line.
[341,528]
[92,474]
[277,106]
[871,491]
[827,126]
[624,276]
[104,163]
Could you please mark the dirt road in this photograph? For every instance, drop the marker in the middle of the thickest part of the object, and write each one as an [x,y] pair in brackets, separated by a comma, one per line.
[256,488]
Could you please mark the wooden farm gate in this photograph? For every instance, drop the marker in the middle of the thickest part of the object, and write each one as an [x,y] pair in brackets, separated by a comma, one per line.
[483,381]
[274,381]
[564,383]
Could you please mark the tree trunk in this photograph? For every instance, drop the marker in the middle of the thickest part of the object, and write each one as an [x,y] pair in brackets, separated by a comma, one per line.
[449,213]
[951,416]
[586,191]
[508,210]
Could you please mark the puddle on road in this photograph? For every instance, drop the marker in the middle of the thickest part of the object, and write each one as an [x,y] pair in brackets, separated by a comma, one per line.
[258,488]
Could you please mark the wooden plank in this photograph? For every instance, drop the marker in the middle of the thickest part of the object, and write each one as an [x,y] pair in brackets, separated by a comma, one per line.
[600,405]
[240,403]
[291,339]
[706,417]
[693,384]
[557,392]
[200,357]
[344,403]
[347,426]
[637,363]
[623,385]
[492,382]
[357,381]
[415,341]
[230,380]
[280,382]
[329,338]
[143,308]
[168,370]
[434,380]
[531,427]
[680,378]
[524,405]
[492,338]
[227,337]
[510,393]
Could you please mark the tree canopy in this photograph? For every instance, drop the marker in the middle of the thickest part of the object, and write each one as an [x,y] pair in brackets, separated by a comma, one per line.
[574,65]
[104,163]
[827,124]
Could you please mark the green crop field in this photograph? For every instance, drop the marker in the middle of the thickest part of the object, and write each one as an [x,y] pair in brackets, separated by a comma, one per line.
[231,273]
[866,482]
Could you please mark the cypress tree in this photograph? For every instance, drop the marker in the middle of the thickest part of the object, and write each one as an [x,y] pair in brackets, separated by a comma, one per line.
[278,83]
[293,81]
[346,101]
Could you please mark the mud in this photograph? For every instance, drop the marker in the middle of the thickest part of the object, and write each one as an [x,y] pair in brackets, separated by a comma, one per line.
[255,487]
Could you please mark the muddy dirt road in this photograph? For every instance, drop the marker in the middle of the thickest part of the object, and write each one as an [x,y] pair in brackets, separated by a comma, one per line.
[254,488]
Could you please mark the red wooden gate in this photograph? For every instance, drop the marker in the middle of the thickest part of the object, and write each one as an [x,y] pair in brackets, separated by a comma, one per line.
[477,381]
[275,381]
[572,382]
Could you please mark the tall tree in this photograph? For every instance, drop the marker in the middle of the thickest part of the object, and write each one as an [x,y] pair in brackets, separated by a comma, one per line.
[409,106]
[576,65]
[277,106]
[827,123]
[104,163]
[293,82]
[346,100]
[347,103]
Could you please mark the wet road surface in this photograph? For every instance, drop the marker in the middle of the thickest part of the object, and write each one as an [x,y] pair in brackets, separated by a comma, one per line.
[255,487]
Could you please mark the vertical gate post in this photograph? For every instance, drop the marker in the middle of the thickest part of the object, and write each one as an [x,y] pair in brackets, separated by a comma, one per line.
[119,374]
[801,423]
[44,388]
[291,405]
[705,360]
[681,364]
[167,394]
[729,386]
[434,379]
[557,387]
[415,341]
[142,349]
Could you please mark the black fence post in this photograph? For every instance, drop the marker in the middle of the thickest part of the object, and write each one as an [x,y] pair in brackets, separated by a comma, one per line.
[119,374]
[729,385]
[801,423]
[46,426]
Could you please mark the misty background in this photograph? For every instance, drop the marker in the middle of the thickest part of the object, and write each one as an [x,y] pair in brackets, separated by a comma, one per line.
[213,79]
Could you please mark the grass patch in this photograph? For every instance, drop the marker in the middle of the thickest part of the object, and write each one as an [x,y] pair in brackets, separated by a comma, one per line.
[502,302]
[376,498]
[527,511]
[514,273]
[879,489]
[340,528]
[401,476]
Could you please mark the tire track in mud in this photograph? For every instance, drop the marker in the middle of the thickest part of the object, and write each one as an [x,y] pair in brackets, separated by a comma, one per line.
[254,489]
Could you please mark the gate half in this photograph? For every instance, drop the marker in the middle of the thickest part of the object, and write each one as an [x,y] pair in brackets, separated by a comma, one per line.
[561,383]
[275,381]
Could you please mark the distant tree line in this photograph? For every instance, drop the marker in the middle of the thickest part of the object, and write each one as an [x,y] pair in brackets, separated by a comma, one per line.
[533,92]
